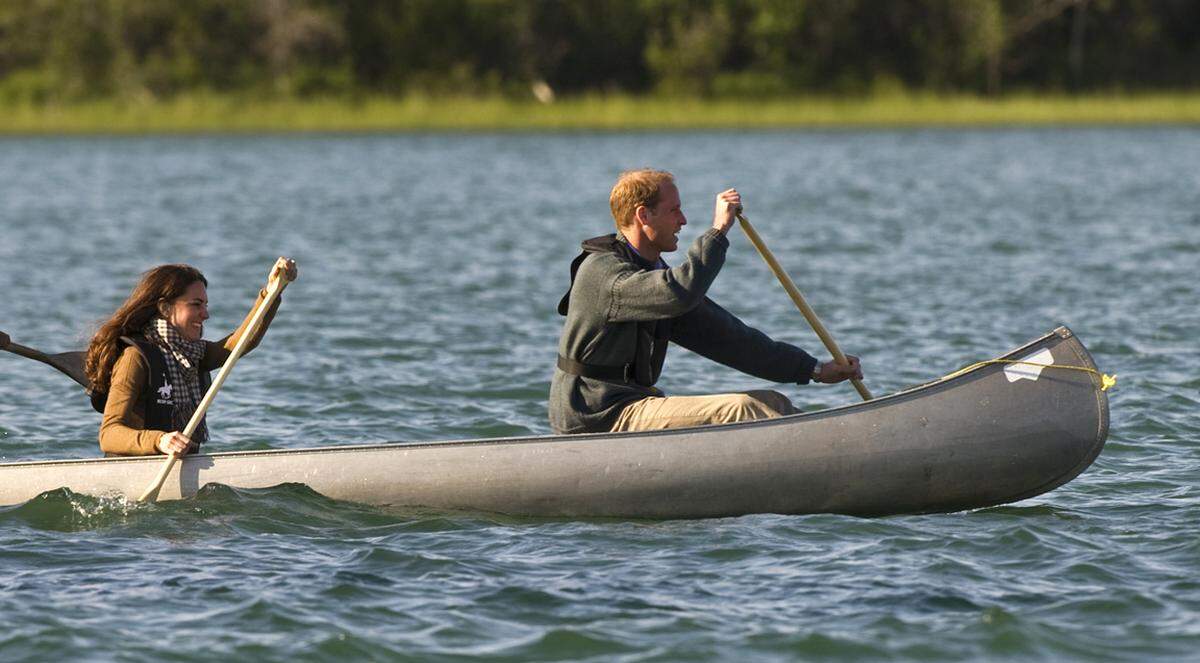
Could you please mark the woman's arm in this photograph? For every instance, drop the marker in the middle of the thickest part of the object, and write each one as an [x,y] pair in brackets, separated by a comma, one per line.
[215,353]
[121,429]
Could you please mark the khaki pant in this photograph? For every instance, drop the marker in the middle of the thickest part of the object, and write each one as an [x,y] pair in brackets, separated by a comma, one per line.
[659,412]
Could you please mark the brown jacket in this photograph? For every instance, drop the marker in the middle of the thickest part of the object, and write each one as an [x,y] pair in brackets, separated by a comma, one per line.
[122,430]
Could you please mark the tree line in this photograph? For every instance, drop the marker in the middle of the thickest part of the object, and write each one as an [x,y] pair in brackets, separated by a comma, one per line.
[64,50]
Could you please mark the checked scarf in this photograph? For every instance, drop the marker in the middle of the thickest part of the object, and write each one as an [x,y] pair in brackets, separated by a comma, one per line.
[182,360]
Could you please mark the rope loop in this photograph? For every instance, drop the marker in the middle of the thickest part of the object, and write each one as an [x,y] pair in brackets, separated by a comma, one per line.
[1106,380]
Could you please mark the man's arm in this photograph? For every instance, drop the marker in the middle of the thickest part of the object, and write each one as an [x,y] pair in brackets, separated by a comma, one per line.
[640,294]
[717,334]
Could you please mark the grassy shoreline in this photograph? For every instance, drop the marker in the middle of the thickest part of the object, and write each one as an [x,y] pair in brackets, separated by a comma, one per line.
[227,114]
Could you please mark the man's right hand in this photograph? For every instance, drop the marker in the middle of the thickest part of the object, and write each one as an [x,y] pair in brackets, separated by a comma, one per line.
[729,204]
[831,371]
[173,442]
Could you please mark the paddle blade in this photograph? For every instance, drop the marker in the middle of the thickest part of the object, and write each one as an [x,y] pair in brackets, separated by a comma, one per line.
[69,363]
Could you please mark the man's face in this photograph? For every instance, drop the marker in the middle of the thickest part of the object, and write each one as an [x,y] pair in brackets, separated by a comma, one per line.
[663,223]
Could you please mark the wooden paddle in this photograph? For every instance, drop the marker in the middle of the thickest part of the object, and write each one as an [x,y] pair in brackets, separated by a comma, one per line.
[798,299]
[70,363]
[275,287]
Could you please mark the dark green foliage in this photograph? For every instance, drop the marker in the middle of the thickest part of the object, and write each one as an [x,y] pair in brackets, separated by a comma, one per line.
[73,49]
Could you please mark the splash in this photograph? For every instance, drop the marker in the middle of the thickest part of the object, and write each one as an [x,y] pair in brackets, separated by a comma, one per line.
[63,510]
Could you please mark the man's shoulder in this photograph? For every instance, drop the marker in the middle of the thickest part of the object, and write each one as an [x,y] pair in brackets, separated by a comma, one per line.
[601,264]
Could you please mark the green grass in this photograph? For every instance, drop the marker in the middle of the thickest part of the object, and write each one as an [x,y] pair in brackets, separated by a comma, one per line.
[212,113]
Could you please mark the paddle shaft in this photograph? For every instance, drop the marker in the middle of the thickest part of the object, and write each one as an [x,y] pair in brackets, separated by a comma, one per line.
[801,304]
[23,351]
[273,289]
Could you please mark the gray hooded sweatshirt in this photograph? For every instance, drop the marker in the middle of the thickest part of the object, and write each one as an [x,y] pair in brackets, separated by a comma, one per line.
[616,296]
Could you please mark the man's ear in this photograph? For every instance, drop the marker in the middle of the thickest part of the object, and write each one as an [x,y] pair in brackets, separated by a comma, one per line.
[641,214]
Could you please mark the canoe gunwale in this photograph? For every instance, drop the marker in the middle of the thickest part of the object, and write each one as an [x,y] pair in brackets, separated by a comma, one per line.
[915,391]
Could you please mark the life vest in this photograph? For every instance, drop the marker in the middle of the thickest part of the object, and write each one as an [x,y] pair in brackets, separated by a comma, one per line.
[159,395]
[650,351]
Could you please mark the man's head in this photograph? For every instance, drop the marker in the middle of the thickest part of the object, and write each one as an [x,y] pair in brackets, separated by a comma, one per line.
[645,204]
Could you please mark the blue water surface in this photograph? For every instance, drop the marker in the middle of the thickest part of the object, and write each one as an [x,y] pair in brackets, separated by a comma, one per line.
[430,268]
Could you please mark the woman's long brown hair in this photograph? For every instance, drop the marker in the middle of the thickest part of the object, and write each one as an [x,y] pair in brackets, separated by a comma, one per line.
[163,284]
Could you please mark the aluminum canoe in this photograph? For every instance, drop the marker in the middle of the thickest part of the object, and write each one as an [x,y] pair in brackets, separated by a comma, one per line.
[993,434]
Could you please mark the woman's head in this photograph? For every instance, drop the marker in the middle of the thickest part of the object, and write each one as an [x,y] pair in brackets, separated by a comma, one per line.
[188,311]
[175,292]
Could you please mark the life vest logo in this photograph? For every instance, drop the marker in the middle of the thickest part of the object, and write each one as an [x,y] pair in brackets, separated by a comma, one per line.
[164,394]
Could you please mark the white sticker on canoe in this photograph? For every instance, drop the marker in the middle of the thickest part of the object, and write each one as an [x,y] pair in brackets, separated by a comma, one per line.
[1025,371]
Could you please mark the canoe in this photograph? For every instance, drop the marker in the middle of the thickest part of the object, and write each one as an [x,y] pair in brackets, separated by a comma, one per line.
[991,434]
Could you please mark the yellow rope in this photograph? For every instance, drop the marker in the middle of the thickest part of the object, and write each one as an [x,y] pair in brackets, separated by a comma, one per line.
[1106,381]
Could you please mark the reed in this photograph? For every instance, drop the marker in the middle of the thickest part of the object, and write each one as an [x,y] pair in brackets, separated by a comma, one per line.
[199,113]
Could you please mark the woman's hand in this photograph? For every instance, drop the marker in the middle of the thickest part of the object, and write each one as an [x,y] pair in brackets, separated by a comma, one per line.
[174,443]
[284,268]
[831,371]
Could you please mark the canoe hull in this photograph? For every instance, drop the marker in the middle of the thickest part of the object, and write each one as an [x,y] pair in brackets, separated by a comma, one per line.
[972,440]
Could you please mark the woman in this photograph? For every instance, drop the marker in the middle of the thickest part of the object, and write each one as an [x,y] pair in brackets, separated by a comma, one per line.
[150,361]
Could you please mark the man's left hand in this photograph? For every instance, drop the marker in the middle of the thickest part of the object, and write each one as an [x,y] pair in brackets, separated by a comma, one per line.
[729,205]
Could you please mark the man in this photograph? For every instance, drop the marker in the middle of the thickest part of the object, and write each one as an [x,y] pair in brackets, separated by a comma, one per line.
[625,304]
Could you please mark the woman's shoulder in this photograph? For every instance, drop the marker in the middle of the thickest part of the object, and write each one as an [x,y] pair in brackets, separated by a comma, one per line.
[130,359]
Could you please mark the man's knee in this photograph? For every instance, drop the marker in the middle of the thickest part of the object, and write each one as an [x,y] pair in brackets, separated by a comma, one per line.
[752,405]
[776,403]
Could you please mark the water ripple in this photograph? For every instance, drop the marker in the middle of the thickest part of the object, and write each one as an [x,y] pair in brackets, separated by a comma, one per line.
[432,317]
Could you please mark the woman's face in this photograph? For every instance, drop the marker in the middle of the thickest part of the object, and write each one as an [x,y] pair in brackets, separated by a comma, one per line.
[188,312]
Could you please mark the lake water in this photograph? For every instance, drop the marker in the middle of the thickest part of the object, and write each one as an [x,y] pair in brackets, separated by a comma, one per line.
[430,266]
